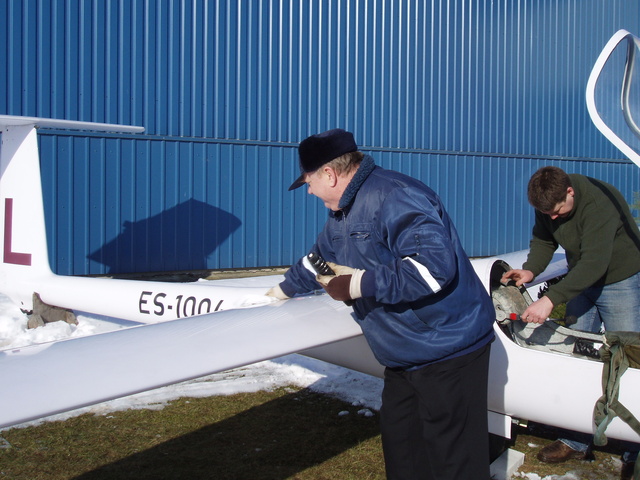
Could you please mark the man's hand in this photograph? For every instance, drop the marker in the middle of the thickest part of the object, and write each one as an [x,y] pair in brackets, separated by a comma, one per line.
[277,292]
[519,276]
[338,270]
[341,269]
[339,287]
[344,285]
[538,311]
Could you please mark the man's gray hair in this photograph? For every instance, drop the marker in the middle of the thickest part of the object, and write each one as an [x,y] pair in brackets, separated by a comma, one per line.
[346,163]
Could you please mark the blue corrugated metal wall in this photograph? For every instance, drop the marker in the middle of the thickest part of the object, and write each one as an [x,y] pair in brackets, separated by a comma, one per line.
[470,96]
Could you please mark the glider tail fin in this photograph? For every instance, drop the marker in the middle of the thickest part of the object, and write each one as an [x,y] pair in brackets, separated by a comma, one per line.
[24,261]
[24,253]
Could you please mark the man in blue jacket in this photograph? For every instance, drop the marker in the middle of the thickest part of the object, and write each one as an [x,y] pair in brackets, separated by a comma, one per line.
[398,260]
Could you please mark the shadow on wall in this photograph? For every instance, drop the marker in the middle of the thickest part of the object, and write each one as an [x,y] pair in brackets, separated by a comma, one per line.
[179,238]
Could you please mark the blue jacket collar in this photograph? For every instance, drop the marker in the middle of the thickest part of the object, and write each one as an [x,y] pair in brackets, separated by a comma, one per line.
[366,167]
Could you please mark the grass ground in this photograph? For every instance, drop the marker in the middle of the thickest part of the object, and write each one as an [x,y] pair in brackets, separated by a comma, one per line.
[286,434]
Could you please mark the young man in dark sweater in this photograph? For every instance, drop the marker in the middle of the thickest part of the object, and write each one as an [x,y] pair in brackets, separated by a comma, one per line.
[591,220]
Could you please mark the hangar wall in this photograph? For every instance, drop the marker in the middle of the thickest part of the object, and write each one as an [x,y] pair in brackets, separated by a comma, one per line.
[469,96]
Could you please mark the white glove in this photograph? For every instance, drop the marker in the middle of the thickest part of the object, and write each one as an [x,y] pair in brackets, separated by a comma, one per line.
[338,270]
[277,292]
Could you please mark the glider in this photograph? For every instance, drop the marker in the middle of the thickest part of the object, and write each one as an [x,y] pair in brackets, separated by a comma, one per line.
[186,330]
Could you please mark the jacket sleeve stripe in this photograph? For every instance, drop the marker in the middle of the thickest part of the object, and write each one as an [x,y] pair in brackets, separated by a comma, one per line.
[425,274]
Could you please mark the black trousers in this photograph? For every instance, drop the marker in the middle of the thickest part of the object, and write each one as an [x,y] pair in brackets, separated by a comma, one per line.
[434,420]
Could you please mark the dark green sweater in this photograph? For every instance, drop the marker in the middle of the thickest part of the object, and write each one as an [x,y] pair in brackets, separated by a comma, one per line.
[600,238]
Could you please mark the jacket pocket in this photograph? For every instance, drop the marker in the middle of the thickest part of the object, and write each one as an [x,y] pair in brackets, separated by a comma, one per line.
[360,232]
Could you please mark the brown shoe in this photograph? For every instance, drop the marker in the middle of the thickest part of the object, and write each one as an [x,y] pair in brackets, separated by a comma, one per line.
[627,471]
[558,452]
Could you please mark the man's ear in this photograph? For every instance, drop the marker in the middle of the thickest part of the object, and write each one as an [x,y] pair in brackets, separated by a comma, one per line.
[570,191]
[331,173]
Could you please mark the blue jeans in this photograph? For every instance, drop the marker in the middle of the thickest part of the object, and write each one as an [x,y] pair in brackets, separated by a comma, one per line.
[617,308]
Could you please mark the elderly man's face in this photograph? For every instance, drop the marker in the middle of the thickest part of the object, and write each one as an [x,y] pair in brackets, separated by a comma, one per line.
[322,183]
